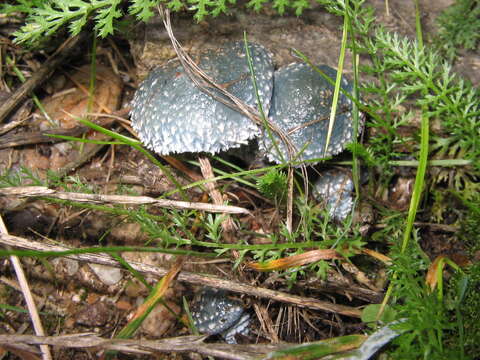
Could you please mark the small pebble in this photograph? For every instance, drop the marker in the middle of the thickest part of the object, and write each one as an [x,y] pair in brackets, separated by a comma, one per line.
[107,274]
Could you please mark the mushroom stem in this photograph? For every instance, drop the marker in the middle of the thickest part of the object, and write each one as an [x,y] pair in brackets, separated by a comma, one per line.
[228,225]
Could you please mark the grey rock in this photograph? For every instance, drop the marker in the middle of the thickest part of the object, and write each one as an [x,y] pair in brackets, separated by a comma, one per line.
[107,274]
[65,265]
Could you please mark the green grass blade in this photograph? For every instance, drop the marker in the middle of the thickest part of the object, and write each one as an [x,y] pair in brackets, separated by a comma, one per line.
[419,180]
[134,272]
[259,102]
[84,140]
[338,80]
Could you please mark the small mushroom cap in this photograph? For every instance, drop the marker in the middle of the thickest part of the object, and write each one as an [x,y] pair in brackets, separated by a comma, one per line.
[240,327]
[335,188]
[172,115]
[215,312]
[301,106]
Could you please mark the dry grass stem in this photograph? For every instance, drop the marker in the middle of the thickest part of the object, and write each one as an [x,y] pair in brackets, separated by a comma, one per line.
[27,294]
[35,191]
[227,224]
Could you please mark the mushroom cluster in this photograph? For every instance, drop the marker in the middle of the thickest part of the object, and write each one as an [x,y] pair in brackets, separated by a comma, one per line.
[172,115]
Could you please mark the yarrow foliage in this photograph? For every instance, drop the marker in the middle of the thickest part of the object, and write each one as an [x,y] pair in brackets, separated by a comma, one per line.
[460,27]
[44,18]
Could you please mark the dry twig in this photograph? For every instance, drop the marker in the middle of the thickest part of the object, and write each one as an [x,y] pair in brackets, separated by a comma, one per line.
[38,137]
[43,191]
[142,346]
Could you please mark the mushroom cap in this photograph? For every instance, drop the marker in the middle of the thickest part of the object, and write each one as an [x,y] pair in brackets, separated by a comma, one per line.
[172,115]
[301,106]
[215,312]
[335,188]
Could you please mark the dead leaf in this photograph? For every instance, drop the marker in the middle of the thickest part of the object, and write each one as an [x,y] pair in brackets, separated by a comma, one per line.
[296,260]
[73,97]
[433,271]
[434,276]
[375,254]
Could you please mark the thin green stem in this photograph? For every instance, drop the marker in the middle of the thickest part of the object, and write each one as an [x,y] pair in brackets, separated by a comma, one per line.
[134,272]
[419,179]
[338,80]
[263,116]
[418,24]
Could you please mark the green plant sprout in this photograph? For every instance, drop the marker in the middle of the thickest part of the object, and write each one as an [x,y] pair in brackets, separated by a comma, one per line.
[273,185]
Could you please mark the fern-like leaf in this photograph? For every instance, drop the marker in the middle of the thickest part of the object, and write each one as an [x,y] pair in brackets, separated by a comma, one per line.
[142,9]
[106,15]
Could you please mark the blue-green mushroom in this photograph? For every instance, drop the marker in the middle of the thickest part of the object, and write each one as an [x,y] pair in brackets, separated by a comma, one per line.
[335,187]
[215,313]
[301,105]
[172,115]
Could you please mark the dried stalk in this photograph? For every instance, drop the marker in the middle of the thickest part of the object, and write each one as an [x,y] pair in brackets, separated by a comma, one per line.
[27,294]
[35,191]
[227,224]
